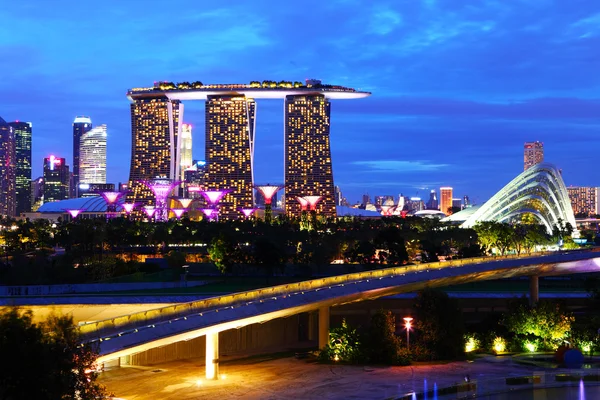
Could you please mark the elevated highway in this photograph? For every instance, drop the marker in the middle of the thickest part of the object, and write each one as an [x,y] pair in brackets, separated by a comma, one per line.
[142,331]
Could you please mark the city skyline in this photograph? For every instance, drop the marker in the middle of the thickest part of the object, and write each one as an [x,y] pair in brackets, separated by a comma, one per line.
[441,76]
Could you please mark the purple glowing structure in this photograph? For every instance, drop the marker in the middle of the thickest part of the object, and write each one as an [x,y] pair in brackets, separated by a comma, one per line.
[212,198]
[128,207]
[111,199]
[161,188]
[74,213]
[149,210]
[268,191]
[248,212]
[210,213]
[178,212]
[185,203]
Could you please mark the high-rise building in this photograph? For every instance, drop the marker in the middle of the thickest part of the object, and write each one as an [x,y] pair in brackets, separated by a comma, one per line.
[308,167]
[446,200]
[194,179]
[366,199]
[22,132]
[56,179]
[186,149]
[155,151]
[466,201]
[379,200]
[533,154]
[92,156]
[457,203]
[432,203]
[230,126]
[8,199]
[585,201]
[37,193]
[80,126]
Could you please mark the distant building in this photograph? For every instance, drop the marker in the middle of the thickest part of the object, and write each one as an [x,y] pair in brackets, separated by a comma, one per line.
[8,198]
[585,201]
[380,200]
[415,204]
[533,154]
[94,189]
[37,193]
[446,199]
[432,203]
[194,179]
[22,132]
[92,156]
[457,203]
[186,149]
[56,179]
[339,198]
[366,199]
[466,201]
[81,125]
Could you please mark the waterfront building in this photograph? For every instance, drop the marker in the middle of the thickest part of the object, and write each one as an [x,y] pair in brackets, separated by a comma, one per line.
[230,125]
[8,199]
[56,179]
[92,156]
[308,166]
[155,126]
[81,125]
[446,200]
[585,201]
[533,154]
[22,133]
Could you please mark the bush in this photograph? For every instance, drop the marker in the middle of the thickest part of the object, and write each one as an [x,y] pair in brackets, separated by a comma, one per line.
[344,345]
[383,345]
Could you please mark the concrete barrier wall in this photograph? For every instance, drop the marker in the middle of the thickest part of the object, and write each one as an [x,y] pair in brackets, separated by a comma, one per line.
[276,335]
[49,290]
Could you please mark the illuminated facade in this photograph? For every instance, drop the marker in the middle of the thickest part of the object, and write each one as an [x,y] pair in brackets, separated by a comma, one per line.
[585,201]
[92,156]
[538,191]
[446,200]
[22,132]
[155,151]
[308,167]
[230,124]
[186,149]
[533,153]
[81,125]
[8,199]
[56,179]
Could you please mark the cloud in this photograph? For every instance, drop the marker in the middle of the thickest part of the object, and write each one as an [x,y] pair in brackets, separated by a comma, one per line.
[400,166]
[384,21]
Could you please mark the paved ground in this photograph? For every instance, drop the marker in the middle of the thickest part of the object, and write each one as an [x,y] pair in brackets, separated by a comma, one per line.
[285,378]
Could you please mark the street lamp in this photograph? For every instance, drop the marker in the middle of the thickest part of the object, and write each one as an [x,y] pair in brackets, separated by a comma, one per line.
[407,325]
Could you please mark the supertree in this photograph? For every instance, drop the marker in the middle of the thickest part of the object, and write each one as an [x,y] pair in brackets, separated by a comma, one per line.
[210,213]
[213,197]
[128,207]
[161,188]
[74,213]
[248,211]
[150,211]
[268,191]
[111,199]
[308,204]
[178,212]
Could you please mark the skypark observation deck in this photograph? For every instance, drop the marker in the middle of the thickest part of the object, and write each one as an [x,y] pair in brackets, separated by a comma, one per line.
[202,92]
[142,331]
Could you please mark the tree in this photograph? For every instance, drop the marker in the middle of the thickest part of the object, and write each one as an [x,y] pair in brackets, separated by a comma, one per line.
[383,343]
[45,361]
[439,324]
[547,322]
[221,252]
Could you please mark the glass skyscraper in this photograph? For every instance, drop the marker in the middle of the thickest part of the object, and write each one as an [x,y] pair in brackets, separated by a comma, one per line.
[308,168]
[22,133]
[81,125]
[155,150]
[230,126]
[92,156]
[56,179]
[8,201]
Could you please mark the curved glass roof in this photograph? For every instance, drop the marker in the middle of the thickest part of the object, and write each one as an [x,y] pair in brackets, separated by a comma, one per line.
[87,204]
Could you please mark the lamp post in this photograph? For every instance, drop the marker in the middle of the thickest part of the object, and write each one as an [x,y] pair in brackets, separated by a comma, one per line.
[407,325]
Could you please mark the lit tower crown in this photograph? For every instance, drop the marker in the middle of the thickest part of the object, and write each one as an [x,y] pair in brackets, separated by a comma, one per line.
[162,189]
[268,191]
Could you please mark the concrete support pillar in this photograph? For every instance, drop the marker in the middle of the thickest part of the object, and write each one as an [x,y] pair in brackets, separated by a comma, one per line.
[212,355]
[534,289]
[323,327]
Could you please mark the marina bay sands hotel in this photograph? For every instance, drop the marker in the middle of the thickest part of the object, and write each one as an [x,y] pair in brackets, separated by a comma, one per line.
[157,118]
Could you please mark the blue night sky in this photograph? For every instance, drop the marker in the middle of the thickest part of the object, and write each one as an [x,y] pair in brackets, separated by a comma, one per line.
[458,86]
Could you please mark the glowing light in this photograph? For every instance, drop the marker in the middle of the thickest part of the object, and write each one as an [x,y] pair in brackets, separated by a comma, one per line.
[531,347]
[407,325]
[586,347]
[128,207]
[268,191]
[53,162]
[336,358]
[209,212]
[194,189]
[213,196]
[499,345]
[150,210]
[161,189]
[312,201]
[185,203]
[111,197]
[74,213]
[248,211]
[223,376]
[303,202]
[178,212]
[471,344]
[199,382]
